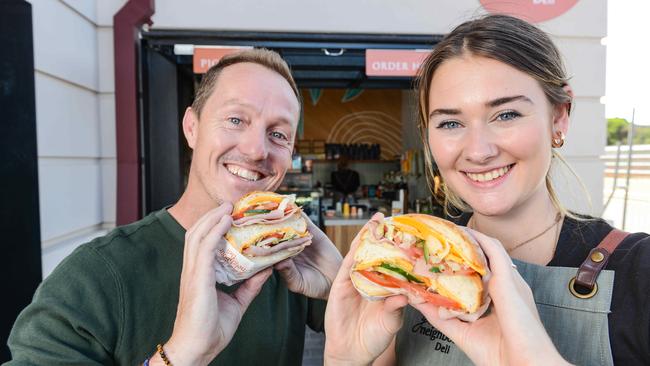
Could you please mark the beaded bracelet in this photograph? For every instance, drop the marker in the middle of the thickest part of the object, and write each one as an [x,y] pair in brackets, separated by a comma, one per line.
[161,351]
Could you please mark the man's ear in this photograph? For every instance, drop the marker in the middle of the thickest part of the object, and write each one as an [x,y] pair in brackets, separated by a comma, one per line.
[190,127]
[561,115]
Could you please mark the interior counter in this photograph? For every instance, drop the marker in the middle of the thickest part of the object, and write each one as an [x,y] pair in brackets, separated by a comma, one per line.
[342,230]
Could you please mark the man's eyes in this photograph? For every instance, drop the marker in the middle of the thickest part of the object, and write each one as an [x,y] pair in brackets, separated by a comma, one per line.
[235,121]
[279,135]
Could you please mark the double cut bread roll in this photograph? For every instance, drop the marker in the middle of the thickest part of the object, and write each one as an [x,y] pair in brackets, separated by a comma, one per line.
[268,227]
[425,257]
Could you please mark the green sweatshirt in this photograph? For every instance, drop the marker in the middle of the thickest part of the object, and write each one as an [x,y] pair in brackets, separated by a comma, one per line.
[113,299]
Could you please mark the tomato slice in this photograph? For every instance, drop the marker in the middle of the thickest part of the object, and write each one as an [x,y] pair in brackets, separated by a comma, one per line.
[381,279]
[430,297]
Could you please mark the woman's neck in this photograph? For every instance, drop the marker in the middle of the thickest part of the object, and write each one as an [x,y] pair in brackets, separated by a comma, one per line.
[516,227]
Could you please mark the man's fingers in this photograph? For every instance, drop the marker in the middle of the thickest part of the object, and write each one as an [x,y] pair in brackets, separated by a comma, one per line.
[212,239]
[211,218]
[212,242]
[250,288]
[197,232]
[288,271]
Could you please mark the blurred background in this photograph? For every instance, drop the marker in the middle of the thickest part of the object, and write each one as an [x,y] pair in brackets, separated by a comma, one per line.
[92,92]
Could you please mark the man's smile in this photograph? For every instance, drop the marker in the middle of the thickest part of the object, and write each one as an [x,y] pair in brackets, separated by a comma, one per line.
[248,174]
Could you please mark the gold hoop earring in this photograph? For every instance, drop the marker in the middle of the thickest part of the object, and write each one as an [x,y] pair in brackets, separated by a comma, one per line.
[558,140]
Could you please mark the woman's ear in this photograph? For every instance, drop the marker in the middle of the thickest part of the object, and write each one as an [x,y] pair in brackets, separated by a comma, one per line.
[190,127]
[562,112]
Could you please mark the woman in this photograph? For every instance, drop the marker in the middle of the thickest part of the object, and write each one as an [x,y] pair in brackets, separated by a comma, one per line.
[494,107]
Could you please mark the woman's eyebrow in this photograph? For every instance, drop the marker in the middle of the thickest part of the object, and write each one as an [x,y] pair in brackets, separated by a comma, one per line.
[492,103]
[503,100]
[439,111]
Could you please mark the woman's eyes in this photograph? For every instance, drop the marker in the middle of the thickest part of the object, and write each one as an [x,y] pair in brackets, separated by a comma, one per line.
[508,115]
[503,116]
[449,124]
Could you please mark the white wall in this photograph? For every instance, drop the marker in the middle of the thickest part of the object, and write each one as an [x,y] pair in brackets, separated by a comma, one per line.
[75,122]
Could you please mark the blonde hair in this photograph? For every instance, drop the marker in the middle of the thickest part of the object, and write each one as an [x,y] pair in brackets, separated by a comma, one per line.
[261,56]
[509,40]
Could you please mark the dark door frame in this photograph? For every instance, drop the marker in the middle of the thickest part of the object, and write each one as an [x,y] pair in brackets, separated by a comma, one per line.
[19,213]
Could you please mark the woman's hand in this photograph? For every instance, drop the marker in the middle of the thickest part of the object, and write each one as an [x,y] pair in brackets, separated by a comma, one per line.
[512,333]
[358,330]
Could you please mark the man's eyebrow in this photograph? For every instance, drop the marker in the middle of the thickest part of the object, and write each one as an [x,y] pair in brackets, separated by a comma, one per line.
[500,101]
[235,101]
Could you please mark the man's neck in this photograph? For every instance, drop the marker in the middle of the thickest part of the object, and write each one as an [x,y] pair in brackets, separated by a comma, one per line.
[191,207]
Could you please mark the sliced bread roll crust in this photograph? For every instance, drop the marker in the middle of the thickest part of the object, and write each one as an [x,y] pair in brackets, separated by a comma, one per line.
[256,197]
[465,290]
[463,243]
[243,237]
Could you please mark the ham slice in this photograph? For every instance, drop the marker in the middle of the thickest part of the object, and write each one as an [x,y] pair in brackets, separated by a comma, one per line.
[276,216]
[295,244]
[406,248]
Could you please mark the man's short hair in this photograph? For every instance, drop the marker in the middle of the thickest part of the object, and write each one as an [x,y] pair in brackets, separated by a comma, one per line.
[261,56]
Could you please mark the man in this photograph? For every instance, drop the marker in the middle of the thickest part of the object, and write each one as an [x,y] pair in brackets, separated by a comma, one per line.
[115,299]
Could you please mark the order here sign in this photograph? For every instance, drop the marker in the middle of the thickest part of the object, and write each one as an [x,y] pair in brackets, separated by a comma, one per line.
[394,62]
[206,56]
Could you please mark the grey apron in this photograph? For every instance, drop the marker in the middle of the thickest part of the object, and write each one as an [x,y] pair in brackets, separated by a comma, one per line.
[578,327]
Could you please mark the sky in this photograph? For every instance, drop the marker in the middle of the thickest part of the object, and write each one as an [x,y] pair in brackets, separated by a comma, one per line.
[628,60]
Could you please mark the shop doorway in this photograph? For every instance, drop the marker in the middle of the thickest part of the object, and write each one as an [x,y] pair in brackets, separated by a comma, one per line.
[167,84]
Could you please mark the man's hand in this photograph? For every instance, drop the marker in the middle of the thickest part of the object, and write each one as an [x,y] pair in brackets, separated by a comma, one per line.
[358,330]
[312,272]
[206,319]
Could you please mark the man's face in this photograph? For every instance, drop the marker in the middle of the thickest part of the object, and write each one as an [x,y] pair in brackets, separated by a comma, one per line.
[243,140]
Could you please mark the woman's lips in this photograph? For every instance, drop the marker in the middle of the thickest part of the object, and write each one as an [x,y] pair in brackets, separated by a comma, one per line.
[490,177]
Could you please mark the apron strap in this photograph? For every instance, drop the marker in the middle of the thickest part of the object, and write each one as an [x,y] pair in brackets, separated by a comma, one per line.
[597,259]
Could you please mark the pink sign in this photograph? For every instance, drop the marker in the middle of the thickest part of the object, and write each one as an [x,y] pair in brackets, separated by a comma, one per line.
[394,62]
[206,56]
[530,10]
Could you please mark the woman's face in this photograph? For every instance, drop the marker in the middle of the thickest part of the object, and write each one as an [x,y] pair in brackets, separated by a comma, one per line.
[490,129]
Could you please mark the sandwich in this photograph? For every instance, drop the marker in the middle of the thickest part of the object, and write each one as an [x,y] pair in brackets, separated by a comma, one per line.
[267,228]
[424,257]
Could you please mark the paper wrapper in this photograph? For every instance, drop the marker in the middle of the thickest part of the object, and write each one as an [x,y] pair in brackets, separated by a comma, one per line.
[232,267]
